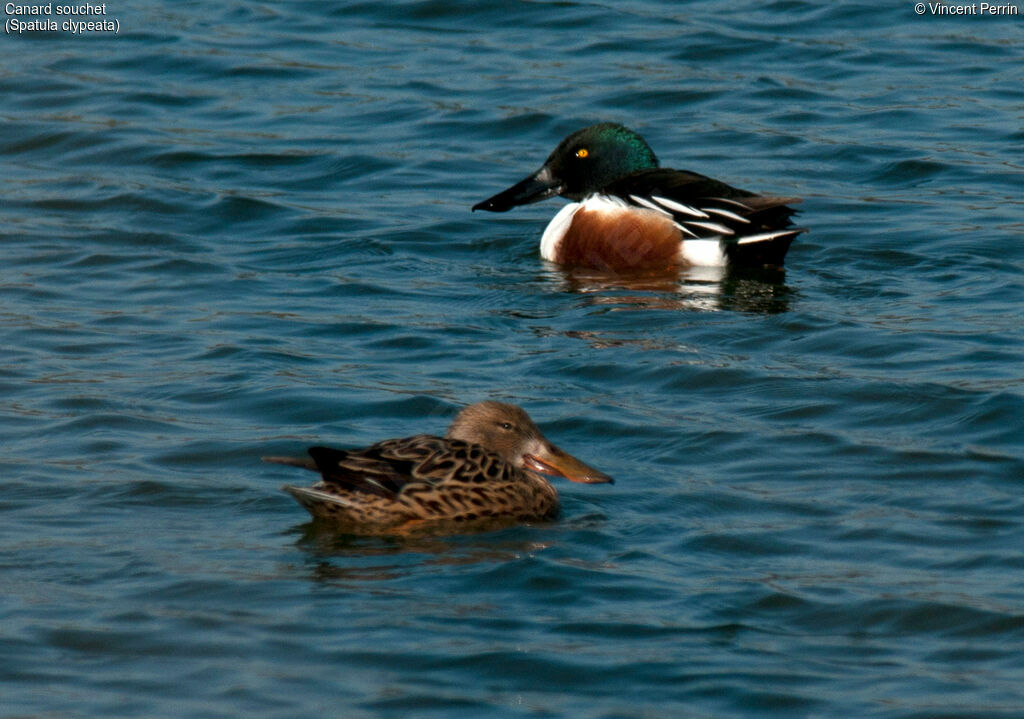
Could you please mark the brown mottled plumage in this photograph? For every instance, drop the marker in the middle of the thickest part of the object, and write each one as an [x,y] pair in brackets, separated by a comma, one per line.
[485,469]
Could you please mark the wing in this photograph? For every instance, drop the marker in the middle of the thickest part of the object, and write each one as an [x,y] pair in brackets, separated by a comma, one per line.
[702,207]
[388,468]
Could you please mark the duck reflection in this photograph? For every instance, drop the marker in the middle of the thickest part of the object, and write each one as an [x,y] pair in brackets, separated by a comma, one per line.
[760,291]
[380,558]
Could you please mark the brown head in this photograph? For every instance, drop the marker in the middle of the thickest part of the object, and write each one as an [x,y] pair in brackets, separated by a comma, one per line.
[508,431]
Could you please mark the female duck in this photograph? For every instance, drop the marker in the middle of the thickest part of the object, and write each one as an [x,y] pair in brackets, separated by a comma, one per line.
[484,470]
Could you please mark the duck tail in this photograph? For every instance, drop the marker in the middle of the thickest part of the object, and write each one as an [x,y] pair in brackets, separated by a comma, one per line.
[304,462]
[318,503]
[765,249]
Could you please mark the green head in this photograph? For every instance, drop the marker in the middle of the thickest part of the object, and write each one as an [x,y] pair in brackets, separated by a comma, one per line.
[593,157]
[583,163]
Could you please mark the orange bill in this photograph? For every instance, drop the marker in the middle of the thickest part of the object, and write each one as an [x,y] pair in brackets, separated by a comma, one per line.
[549,459]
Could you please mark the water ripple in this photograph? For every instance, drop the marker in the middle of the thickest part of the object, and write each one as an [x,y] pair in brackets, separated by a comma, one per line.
[246,231]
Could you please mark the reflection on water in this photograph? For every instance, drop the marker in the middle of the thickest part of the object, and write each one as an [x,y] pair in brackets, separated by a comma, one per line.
[760,291]
[383,558]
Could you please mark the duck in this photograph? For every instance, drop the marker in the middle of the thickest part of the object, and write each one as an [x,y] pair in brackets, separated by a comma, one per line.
[629,213]
[487,469]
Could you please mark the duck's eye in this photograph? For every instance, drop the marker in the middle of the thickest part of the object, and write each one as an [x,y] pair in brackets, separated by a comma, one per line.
[506,425]
[582,152]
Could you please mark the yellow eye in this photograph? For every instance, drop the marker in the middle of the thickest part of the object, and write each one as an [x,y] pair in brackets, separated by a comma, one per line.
[582,152]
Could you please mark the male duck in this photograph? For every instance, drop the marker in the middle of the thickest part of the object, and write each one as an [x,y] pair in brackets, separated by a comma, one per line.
[629,213]
[483,471]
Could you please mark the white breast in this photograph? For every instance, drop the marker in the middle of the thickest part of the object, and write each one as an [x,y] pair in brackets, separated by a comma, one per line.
[556,230]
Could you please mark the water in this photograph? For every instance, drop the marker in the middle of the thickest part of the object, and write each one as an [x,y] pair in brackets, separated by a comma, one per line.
[239,229]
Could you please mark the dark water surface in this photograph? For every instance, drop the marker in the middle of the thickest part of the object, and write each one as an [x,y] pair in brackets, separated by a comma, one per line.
[236,229]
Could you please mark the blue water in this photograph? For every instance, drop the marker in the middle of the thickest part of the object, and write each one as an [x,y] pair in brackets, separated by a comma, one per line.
[238,229]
